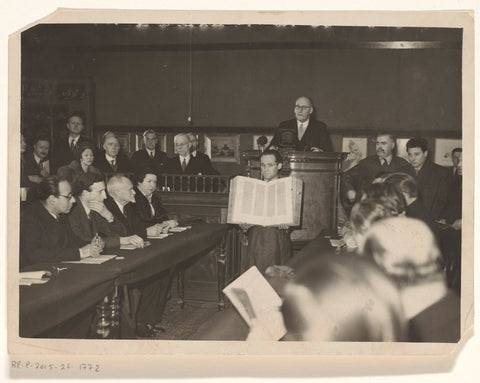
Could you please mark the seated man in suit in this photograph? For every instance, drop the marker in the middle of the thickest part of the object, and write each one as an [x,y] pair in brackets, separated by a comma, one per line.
[202,158]
[90,216]
[357,179]
[112,160]
[45,235]
[302,132]
[406,250]
[63,150]
[432,179]
[36,163]
[153,290]
[151,156]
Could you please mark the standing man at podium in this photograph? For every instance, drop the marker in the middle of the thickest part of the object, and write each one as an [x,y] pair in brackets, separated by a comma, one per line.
[302,132]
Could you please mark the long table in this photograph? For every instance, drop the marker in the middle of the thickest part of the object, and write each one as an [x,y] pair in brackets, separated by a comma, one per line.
[81,286]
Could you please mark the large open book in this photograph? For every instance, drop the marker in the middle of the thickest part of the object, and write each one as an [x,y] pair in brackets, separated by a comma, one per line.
[257,302]
[262,203]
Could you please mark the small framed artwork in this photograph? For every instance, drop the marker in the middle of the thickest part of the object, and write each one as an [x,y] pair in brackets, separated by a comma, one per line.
[140,143]
[125,142]
[356,147]
[443,150]
[223,147]
[260,143]
[402,148]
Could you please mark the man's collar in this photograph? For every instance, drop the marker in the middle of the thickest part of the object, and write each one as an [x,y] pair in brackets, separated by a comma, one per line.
[120,206]
[304,123]
[37,158]
[187,157]
[194,153]
[85,207]
[388,159]
[109,159]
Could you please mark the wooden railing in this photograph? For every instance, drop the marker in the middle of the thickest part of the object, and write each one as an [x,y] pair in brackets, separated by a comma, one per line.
[193,183]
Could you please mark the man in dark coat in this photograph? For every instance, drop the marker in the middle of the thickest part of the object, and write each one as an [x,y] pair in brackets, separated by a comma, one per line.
[149,157]
[302,133]
[45,235]
[357,179]
[432,179]
[63,150]
[112,160]
[203,159]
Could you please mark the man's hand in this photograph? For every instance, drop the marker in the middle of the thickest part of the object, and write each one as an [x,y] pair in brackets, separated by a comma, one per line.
[88,251]
[245,227]
[133,240]
[101,209]
[153,231]
[315,149]
[457,225]
[44,173]
[351,194]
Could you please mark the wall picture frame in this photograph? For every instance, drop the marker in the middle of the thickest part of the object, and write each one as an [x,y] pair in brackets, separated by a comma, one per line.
[257,136]
[223,147]
[402,148]
[443,150]
[356,147]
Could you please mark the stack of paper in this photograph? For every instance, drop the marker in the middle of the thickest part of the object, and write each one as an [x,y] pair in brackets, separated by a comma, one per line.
[33,277]
[93,260]
[179,229]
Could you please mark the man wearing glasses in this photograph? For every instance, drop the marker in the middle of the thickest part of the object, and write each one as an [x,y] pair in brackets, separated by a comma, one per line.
[45,235]
[302,132]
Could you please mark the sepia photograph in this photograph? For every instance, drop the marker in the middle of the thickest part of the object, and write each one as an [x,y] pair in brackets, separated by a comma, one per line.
[123,228]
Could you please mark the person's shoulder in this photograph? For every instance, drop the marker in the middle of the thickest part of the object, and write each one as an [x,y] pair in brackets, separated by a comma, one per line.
[317,123]
[138,153]
[34,212]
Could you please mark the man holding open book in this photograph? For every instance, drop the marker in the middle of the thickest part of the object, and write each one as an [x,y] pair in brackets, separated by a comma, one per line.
[268,245]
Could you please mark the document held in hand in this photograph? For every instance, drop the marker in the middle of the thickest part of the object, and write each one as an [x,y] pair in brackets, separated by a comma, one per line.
[262,203]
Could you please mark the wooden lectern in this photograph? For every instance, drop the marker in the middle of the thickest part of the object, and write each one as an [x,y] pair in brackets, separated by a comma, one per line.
[320,173]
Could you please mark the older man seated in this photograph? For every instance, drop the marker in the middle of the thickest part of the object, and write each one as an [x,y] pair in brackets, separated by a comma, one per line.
[112,160]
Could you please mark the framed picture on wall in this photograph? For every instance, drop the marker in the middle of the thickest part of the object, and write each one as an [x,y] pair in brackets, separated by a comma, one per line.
[125,140]
[356,147]
[140,144]
[402,148]
[223,147]
[255,141]
[443,150]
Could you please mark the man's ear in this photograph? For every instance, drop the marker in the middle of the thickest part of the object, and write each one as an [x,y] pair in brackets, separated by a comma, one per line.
[426,153]
[51,200]
[279,166]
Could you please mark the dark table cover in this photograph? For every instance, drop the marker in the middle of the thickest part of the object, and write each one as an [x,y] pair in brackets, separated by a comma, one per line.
[82,286]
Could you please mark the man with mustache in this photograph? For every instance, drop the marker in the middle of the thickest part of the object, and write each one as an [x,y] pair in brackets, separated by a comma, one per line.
[358,178]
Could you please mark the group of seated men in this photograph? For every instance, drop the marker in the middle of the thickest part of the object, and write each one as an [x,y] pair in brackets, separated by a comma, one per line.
[110,208]
[73,154]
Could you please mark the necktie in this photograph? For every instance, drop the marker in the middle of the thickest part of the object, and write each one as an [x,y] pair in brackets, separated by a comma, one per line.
[151,155]
[385,163]
[184,165]
[114,165]
[300,132]
[41,166]
[72,145]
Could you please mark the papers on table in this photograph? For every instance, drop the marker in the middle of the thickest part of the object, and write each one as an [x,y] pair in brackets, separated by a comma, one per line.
[337,242]
[257,301]
[93,261]
[29,278]
[179,229]
[160,236]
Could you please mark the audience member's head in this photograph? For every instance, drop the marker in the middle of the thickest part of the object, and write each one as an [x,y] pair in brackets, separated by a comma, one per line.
[41,147]
[385,145]
[343,298]
[270,164]
[150,139]
[182,144]
[146,181]
[56,195]
[193,140]
[406,249]
[85,154]
[395,199]
[303,108]
[75,123]
[457,160]
[89,187]
[417,149]
[405,183]
[120,188]
[111,146]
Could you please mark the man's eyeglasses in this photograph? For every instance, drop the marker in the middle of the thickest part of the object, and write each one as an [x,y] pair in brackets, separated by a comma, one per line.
[301,107]
[69,196]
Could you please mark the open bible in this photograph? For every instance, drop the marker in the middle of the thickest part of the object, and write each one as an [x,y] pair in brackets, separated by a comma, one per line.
[262,203]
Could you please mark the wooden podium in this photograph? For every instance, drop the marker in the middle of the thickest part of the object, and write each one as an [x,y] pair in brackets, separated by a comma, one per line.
[320,173]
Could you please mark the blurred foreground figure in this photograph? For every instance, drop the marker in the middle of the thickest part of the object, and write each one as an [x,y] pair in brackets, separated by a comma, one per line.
[343,298]
[406,249]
